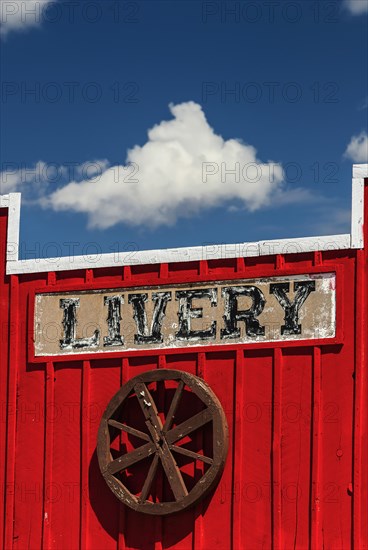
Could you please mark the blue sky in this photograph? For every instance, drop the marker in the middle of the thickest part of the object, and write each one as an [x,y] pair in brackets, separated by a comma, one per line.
[275,91]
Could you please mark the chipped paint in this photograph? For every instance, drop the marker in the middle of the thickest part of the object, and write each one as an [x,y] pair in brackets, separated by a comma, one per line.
[226,312]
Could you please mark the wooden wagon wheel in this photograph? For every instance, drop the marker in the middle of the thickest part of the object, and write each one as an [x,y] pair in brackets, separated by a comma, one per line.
[161,439]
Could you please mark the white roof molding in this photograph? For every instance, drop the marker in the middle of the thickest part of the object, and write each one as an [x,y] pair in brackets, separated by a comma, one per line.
[12,247]
[209,252]
[171,255]
[4,201]
[360,171]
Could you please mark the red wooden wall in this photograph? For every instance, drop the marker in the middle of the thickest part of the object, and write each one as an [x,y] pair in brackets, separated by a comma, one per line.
[296,472]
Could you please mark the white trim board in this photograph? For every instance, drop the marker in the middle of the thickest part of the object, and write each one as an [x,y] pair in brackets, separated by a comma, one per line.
[170,255]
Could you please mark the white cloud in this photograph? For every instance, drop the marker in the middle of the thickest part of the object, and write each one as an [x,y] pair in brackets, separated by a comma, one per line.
[182,170]
[14,176]
[34,182]
[357,7]
[179,172]
[18,15]
[357,150]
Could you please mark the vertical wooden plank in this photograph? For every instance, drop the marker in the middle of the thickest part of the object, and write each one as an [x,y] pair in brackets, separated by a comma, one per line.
[180,534]
[85,454]
[66,456]
[48,456]
[316,504]
[103,506]
[160,401]
[276,477]
[142,530]
[51,278]
[239,451]
[29,463]
[203,268]
[127,273]
[200,371]
[317,258]
[336,409]
[280,261]
[11,418]
[364,390]
[360,402]
[4,368]
[164,271]
[216,522]
[89,276]
[336,463]
[360,460]
[121,521]
[296,446]
[252,446]
[240,266]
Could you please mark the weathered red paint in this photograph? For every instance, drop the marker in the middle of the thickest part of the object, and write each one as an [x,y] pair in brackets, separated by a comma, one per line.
[296,471]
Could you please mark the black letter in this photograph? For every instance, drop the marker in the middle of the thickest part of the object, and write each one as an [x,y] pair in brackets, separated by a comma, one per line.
[137,300]
[302,289]
[114,337]
[232,315]
[186,314]
[69,341]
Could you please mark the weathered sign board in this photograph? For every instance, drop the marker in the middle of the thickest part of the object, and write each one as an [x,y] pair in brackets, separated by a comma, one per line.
[259,310]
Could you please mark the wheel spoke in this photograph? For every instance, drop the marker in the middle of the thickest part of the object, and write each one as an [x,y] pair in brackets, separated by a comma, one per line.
[191,454]
[128,459]
[149,479]
[129,429]
[148,406]
[185,428]
[172,472]
[154,425]
[173,406]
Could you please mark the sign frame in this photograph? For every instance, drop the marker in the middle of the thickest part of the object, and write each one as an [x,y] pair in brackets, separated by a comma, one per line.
[157,281]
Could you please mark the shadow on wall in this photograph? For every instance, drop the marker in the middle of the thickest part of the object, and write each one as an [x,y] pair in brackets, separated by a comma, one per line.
[138,530]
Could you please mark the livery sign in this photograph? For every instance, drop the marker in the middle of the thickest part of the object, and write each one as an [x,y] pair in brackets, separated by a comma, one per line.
[242,311]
